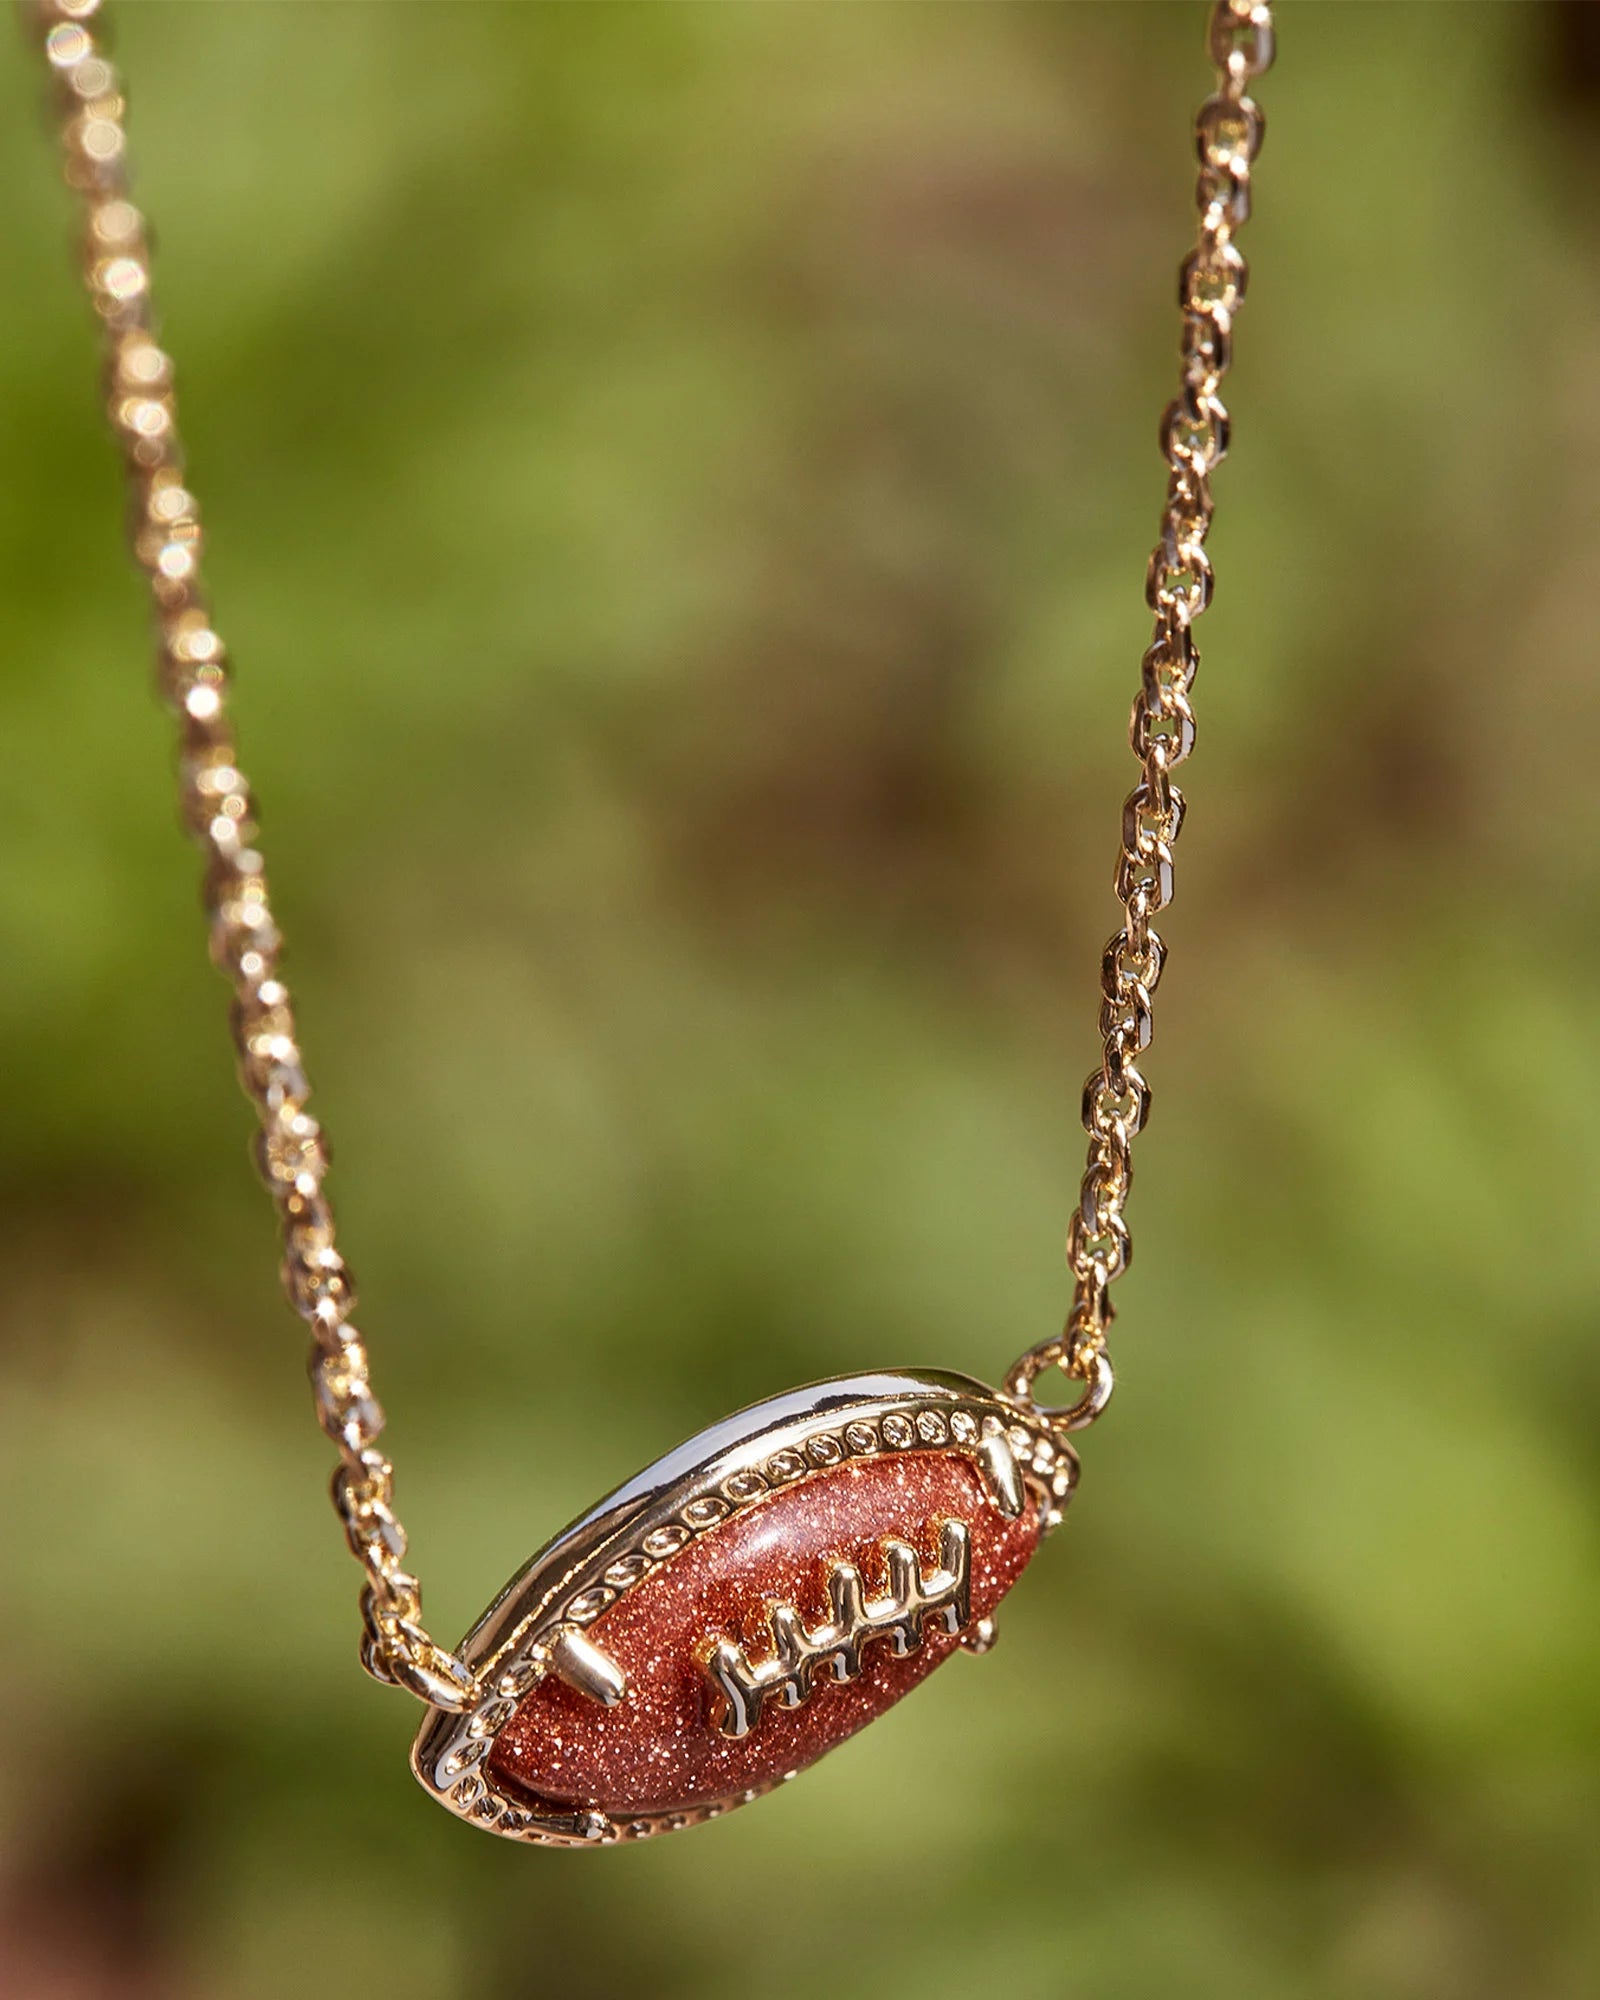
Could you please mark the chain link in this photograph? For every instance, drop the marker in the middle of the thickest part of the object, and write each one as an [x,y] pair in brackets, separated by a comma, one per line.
[291,1151]
[1194,438]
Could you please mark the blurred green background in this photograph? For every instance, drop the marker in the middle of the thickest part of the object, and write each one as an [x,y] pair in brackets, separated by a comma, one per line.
[679,479]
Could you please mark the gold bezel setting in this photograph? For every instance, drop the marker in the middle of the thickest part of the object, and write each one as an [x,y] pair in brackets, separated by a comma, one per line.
[536,1625]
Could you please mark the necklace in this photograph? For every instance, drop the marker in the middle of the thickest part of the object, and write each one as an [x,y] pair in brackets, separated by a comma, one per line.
[718,1622]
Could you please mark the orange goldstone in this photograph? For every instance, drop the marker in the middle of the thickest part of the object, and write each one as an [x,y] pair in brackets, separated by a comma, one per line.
[659,1749]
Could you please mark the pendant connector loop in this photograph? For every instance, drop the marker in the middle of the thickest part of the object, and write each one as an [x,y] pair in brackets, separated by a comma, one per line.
[1080,1359]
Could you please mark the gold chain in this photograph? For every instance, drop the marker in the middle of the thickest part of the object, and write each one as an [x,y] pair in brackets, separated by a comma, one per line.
[1194,437]
[291,1152]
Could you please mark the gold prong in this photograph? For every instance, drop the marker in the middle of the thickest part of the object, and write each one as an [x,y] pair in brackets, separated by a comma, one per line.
[583,1665]
[1001,1473]
[979,1636]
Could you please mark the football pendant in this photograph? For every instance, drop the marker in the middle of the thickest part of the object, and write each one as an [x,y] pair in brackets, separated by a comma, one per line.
[744,1604]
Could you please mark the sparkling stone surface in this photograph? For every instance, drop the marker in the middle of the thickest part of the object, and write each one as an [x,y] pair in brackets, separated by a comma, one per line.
[659,1750]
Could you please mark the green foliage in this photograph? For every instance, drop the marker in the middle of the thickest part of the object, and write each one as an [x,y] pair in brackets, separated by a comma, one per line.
[678,481]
